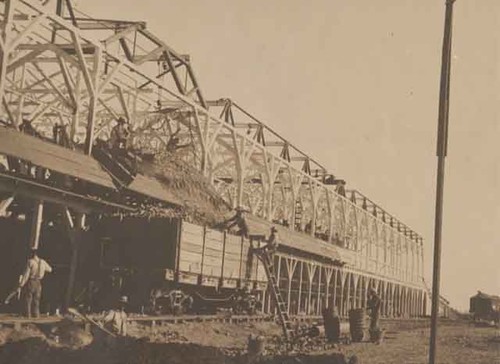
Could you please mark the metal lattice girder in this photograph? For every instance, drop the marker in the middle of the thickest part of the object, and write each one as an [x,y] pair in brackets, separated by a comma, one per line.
[86,73]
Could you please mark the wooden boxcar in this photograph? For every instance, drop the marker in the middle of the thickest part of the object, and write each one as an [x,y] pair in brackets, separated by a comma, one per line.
[485,307]
[175,254]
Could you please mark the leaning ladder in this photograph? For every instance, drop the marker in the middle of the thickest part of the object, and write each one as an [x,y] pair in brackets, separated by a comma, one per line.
[281,306]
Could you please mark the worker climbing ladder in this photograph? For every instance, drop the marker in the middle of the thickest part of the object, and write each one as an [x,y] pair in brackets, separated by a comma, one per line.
[285,322]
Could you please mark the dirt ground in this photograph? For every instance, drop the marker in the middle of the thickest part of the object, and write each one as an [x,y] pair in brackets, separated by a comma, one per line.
[459,342]
[217,343]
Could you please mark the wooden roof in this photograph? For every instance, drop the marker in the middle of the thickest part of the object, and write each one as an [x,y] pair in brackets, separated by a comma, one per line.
[76,164]
[53,157]
[485,296]
[292,239]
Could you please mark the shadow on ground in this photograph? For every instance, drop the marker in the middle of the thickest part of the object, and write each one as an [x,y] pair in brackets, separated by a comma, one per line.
[132,351]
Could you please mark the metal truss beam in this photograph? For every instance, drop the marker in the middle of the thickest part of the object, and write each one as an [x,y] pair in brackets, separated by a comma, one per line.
[87,81]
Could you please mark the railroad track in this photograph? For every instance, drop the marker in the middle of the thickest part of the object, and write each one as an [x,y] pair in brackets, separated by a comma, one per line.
[18,322]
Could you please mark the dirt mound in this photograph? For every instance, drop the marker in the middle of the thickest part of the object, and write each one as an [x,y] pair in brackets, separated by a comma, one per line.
[129,351]
[132,351]
[9,335]
[201,202]
[71,334]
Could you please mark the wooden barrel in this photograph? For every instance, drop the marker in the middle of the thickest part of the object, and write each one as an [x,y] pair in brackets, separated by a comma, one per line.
[357,318]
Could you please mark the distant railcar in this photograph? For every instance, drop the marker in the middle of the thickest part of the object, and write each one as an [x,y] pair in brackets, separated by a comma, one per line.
[485,307]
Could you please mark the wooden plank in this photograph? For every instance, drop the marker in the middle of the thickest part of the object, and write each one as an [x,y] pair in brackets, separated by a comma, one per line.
[75,164]
[53,157]
[188,277]
[190,262]
[214,245]
[232,257]
[191,248]
[293,239]
[39,191]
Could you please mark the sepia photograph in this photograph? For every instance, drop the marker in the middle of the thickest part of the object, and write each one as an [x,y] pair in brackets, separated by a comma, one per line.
[250,181]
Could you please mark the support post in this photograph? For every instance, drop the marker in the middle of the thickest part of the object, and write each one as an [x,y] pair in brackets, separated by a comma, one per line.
[75,232]
[300,287]
[4,205]
[36,225]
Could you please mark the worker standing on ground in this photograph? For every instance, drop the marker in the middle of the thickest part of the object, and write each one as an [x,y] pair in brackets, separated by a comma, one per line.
[32,281]
[331,321]
[115,320]
[119,135]
[373,305]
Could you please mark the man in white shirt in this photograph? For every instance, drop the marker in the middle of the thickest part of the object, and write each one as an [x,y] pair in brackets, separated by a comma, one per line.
[32,281]
[115,320]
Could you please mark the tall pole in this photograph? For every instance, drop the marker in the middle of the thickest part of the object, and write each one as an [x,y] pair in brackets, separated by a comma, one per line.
[442,143]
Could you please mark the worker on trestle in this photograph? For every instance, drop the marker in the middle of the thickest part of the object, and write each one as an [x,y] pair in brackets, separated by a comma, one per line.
[120,134]
[271,244]
[239,221]
[174,140]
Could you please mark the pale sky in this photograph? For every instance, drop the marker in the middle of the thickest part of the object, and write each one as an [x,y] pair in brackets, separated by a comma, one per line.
[354,83]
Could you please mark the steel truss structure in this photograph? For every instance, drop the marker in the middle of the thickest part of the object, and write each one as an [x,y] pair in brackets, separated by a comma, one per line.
[61,67]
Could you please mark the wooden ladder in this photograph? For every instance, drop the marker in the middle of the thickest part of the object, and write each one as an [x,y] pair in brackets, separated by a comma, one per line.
[284,318]
[298,213]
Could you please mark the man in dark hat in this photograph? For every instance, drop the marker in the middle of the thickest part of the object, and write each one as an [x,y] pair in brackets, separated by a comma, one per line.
[272,241]
[174,140]
[238,220]
[271,244]
[27,128]
[32,281]
[119,135]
